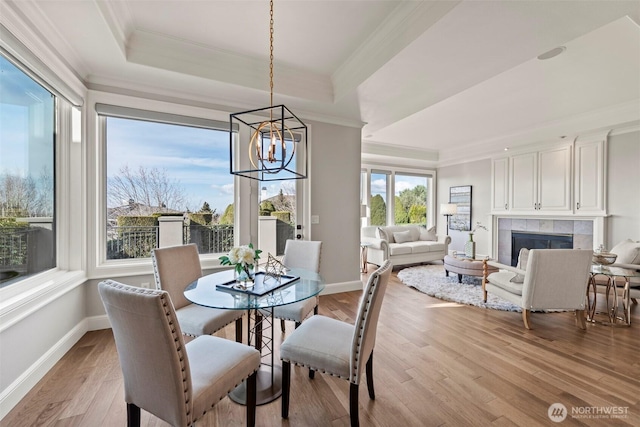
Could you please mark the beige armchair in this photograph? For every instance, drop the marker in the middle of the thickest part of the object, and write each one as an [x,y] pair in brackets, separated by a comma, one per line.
[174,381]
[174,269]
[552,279]
[338,348]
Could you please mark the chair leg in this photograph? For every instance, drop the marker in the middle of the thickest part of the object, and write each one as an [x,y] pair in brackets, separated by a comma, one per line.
[526,314]
[633,300]
[239,330]
[580,320]
[133,415]
[372,393]
[353,405]
[286,383]
[251,399]
[315,310]
[484,289]
[312,373]
[282,328]
[298,324]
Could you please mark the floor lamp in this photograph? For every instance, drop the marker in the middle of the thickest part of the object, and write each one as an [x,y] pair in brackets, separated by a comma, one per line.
[448,209]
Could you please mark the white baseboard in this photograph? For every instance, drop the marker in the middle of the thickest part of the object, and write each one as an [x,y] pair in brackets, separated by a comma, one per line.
[11,395]
[335,288]
[96,323]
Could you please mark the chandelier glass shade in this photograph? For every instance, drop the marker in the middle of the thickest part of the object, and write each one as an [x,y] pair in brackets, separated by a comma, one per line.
[270,143]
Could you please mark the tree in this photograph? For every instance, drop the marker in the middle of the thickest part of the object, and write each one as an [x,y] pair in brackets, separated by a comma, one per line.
[378,210]
[24,196]
[414,196]
[205,208]
[418,214]
[227,216]
[149,187]
[401,216]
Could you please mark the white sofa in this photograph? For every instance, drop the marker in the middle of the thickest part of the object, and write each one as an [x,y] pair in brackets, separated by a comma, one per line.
[416,246]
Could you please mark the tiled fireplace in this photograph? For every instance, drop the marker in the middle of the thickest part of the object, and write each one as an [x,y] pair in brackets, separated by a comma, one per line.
[581,230]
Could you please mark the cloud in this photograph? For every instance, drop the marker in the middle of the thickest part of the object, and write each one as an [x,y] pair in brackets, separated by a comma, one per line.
[379,186]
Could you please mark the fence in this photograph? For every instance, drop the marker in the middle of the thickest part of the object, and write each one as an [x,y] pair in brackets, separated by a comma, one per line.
[131,241]
[212,239]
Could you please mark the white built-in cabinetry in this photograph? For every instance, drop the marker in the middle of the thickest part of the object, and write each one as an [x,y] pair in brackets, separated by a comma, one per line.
[589,186]
[560,179]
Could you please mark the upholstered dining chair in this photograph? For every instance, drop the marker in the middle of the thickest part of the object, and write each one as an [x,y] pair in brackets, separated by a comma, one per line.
[176,267]
[174,381]
[299,254]
[338,348]
[549,279]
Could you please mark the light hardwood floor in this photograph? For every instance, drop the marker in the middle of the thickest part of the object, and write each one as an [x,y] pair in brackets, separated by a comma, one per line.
[436,364]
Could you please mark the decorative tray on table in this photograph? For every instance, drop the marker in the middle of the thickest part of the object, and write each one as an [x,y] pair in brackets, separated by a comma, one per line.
[263,284]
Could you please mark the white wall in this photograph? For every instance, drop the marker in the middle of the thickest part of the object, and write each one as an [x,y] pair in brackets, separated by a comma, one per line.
[623,192]
[335,198]
[478,176]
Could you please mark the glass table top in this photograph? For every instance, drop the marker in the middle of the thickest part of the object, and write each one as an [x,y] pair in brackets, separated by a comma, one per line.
[204,291]
[612,271]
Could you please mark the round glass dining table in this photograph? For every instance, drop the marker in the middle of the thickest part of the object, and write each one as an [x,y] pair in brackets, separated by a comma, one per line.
[206,292]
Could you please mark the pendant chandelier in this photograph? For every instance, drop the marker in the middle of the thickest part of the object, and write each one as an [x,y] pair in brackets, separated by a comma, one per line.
[271,142]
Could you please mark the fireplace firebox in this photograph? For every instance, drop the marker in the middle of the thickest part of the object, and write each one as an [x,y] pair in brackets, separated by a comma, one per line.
[529,240]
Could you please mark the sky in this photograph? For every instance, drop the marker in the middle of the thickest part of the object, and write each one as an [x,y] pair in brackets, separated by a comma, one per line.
[198,159]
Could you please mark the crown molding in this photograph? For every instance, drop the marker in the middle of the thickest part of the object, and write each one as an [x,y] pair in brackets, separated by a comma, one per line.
[119,20]
[408,21]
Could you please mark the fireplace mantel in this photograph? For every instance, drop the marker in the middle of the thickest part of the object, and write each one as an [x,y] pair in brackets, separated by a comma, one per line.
[588,231]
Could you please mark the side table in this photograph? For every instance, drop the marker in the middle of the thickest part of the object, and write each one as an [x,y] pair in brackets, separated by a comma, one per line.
[611,294]
[363,256]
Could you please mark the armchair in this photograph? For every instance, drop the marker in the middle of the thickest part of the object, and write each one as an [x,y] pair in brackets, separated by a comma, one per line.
[552,279]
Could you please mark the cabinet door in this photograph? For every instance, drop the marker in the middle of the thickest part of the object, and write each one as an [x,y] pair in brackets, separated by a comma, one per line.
[554,179]
[500,185]
[524,182]
[589,182]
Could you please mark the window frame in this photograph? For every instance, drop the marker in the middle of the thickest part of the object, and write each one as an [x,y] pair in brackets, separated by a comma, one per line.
[98,266]
[391,172]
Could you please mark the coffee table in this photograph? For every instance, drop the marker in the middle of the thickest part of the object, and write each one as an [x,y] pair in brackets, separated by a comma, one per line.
[462,265]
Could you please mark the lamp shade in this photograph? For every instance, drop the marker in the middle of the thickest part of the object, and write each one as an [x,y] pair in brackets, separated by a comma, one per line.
[448,209]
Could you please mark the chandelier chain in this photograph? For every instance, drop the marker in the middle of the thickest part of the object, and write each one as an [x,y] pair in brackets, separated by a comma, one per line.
[271,52]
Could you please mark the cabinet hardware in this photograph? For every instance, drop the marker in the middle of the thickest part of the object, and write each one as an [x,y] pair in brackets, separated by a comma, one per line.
[578,205]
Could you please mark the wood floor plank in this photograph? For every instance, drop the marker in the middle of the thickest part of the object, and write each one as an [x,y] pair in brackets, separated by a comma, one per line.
[436,363]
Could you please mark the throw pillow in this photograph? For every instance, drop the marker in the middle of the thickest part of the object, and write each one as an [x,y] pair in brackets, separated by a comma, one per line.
[523,257]
[402,236]
[428,234]
[628,252]
[382,234]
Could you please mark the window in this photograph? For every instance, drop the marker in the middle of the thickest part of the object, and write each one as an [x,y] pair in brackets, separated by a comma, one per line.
[27,175]
[412,201]
[379,201]
[167,182]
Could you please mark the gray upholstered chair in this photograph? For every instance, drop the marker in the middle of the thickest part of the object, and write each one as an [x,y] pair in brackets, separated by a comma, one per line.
[338,348]
[176,267]
[552,279]
[299,254]
[174,381]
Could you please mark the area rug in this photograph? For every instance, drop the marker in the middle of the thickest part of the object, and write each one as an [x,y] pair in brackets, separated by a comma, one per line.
[431,280]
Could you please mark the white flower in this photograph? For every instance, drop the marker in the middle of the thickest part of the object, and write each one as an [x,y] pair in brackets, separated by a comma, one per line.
[246,255]
[478,225]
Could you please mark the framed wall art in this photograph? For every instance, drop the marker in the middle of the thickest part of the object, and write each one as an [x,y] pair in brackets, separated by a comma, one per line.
[461,196]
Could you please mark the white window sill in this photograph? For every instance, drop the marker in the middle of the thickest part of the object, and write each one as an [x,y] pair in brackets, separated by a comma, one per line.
[20,299]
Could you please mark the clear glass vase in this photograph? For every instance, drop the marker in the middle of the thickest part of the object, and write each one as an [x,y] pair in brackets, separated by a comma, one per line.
[245,279]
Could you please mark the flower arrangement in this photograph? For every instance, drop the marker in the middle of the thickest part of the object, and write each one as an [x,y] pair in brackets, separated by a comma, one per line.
[243,259]
[478,225]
